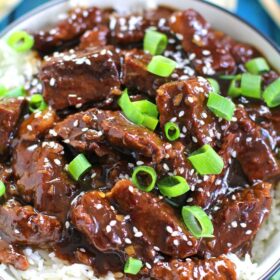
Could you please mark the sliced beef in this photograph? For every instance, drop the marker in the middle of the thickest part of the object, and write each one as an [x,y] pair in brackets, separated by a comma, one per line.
[93,129]
[253,152]
[10,112]
[95,37]
[37,125]
[127,29]
[219,268]
[152,216]
[239,215]
[185,104]
[11,255]
[40,177]
[93,216]
[136,76]
[210,56]
[72,79]
[77,22]
[23,225]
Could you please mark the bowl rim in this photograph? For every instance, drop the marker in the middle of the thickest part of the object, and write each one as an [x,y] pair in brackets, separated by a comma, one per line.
[276,266]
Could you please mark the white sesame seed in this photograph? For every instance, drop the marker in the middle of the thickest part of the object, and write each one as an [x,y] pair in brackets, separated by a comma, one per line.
[113,223]
[138,234]
[139,162]
[57,162]
[169,229]
[108,228]
[234,224]
[181,113]
[176,242]
[67,224]
[243,225]
[248,232]
[52,82]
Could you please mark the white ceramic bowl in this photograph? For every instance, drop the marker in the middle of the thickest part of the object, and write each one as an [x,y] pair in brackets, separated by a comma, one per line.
[218,17]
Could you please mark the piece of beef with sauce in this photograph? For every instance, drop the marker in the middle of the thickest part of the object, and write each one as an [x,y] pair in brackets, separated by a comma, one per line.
[10,113]
[41,178]
[97,37]
[75,78]
[152,216]
[25,226]
[97,128]
[184,103]
[240,214]
[219,268]
[69,30]
[12,255]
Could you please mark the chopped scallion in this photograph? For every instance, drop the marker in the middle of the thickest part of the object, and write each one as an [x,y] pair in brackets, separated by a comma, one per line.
[222,107]
[37,103]
[197,222]
[271,95]
[234,89]
[78,166]
[257,65]
[133,266]
[251,85]
[2,188]
[155,42]
[20,41]
[172,131]
[13,93]
[144,178]
[214,84]
[173,186]
[146,107]
[206,161]
[150,122]
[161,66]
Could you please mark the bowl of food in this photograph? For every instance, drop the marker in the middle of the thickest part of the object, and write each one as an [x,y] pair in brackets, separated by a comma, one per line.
[138,141]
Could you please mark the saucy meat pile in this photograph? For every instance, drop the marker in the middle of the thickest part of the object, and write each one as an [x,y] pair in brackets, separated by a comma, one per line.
[154,154]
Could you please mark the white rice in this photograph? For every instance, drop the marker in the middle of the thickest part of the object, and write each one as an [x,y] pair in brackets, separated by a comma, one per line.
[15,69]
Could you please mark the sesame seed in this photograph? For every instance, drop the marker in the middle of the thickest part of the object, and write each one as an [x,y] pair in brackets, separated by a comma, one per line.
[113,223]
[139,162]
[52,82]
[181,114]
[108,228]
[194,139]
[243,225]
[169,229]
[234,224]
[127,241]
[138,234]
[176,242]
[67,224]
[248,232]
[57,161]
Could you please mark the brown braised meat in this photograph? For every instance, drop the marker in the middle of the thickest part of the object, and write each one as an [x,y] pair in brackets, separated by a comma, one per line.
[10,112]
[41,179]
[74,78]
[90,130]
[150,216]
[93,216]
[78,21]
[241,214]
[23,225]
[215,268]
[97,37]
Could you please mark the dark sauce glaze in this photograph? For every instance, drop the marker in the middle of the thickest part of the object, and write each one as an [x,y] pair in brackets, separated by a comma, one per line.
[101,220]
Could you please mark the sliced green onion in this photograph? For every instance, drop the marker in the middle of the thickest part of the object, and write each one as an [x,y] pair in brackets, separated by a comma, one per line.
[2,188]
[150,122]
[214,84]
[3,90]
[227,77]
[172,131]
[78,166]
[234,89]
[155,42]
[146,107]
[14,93]
[197,222]
[129,110]
[133,266]
[222,107]
[271,95]
[173,186]
[37,103]
[206,161]
[257,65]
[251,85]
[144,178]
[161,66]
[21,41]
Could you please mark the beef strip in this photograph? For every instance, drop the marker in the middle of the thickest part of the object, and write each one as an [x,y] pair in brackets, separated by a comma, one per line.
[10,112]
[93,216]
[91,130]
[75,78]
[210,57]
[12,255]
[41,179]
[95,37]
[77,22]
[150,216]
[219,268]
[23,225]
[185,104]
[240,214]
